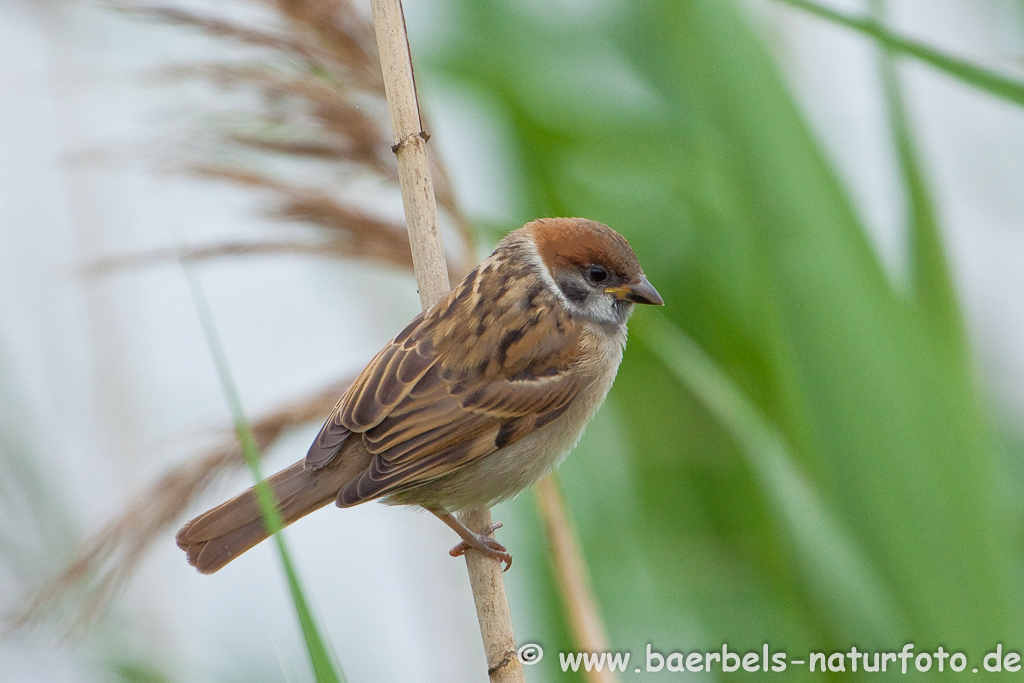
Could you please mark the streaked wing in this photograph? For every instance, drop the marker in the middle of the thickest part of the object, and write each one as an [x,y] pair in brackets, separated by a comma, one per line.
[455,386]
[435,430]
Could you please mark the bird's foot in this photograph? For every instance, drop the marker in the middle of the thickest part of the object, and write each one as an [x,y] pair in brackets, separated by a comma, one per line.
[485,543]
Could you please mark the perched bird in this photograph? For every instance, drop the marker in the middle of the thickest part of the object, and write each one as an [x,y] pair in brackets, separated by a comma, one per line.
[479,397]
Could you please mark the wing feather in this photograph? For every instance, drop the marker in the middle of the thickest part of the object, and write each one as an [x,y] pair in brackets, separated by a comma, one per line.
[454,386]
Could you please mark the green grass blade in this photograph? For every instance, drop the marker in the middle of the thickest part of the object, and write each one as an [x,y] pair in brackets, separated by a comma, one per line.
[319,657]
[931,279]
[979,77]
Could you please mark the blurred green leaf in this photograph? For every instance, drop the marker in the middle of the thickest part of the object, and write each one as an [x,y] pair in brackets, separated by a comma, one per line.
[669,121]
[838,573]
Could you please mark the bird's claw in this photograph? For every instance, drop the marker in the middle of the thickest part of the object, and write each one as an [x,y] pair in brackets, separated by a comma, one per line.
[486,544]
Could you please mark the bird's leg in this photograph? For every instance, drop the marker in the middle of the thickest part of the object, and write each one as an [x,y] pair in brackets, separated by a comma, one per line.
[482,541]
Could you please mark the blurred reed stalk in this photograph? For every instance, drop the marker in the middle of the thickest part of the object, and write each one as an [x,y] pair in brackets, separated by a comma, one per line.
[570,570]
[485,574]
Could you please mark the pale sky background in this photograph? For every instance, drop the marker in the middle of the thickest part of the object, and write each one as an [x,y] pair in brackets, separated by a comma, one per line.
[106,381]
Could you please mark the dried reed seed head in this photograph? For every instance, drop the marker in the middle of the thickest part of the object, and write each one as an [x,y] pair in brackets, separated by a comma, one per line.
[110,556]
[334,92]
[349,53]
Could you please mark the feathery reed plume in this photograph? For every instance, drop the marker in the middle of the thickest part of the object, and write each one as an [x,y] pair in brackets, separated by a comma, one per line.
[314,98]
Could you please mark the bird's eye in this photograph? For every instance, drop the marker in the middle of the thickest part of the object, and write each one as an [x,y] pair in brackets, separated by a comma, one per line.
[597,274]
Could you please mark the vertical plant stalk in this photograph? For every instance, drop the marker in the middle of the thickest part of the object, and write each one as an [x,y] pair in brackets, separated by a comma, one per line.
[588,632]
[410,149]
[432,279]
[488,585]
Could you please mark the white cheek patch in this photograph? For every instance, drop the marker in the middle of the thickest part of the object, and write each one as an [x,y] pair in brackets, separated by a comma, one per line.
[545,274]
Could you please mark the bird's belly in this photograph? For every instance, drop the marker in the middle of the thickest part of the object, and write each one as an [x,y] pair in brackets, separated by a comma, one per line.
[506,472]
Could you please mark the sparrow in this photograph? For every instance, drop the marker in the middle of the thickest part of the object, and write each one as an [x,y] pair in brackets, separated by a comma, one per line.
[479,397]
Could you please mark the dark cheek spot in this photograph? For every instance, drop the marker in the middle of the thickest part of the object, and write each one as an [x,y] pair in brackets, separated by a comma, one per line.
[574,291]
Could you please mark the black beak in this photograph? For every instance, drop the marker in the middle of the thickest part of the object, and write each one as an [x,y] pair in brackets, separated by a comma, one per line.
[641,292]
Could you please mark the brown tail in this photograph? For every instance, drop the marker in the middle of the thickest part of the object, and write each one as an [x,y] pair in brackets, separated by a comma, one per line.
[218,536]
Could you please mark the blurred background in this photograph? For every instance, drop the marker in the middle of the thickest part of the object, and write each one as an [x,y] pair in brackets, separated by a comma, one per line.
[817,443]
